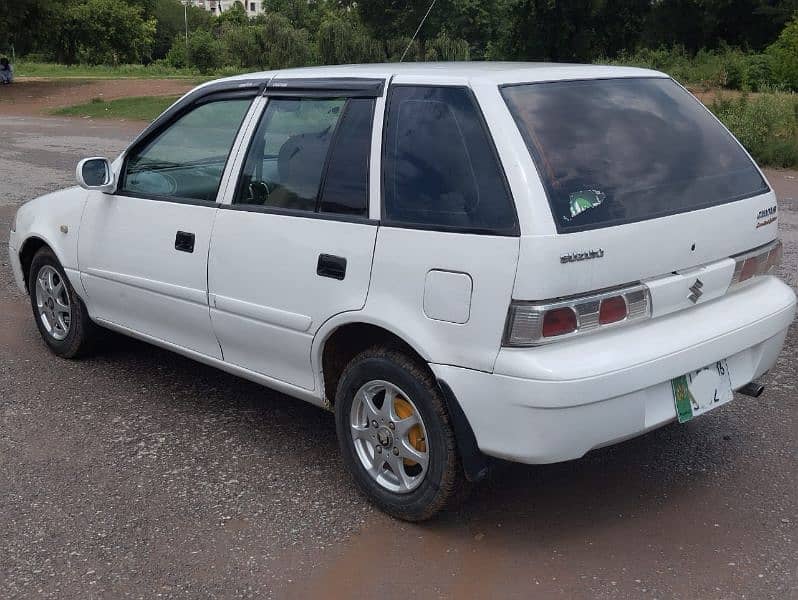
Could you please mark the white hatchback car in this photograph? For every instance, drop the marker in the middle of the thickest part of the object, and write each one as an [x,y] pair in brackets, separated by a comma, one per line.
[462,261]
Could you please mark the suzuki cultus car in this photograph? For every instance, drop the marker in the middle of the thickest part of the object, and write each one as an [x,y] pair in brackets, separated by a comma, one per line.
[462,261]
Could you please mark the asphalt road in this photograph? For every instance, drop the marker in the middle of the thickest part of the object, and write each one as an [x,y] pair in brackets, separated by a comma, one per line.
[138,473]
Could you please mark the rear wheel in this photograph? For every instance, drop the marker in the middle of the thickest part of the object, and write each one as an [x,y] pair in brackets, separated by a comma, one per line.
[395,435]
[60,314]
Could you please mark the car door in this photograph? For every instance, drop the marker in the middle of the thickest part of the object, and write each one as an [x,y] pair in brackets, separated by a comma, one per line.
[143,250]
[295,243]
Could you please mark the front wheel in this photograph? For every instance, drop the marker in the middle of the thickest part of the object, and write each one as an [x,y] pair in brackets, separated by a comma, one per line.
[60,314]
[395,435]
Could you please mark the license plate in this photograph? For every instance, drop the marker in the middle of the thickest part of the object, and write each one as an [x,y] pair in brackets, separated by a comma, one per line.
[702,390]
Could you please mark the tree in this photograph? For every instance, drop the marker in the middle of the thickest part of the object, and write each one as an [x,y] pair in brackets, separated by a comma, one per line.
[784,56]
[25,24]
[103,32]
[171,24]
[205,52]
[340,41]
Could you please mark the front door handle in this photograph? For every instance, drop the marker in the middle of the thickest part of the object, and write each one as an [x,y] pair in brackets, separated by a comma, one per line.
[331,266]
[184,242]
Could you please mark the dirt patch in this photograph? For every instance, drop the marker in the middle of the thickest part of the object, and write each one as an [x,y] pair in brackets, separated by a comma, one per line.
[37,97]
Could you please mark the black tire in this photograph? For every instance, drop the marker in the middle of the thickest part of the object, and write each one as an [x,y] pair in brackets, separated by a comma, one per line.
[82,331]
[444,482]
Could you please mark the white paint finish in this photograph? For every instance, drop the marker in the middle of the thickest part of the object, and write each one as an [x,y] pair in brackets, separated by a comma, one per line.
[472,72]
[510,422]
[238,154]
[43,217]
[135,278]
[534,216]
[639,251]
[403,258]
[275,384]
[180,292]
[256,312]
[375,158]
[447,296]
[16,268]
[672,292]
[268,262]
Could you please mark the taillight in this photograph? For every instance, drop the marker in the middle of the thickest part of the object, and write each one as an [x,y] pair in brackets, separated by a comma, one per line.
[760,261]
[559,321]
[612,310]
[534,323]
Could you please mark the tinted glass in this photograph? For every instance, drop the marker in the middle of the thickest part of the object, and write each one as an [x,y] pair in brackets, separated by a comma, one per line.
[288,153]
[187,159]
[439,164]
[346,183]
[620,150]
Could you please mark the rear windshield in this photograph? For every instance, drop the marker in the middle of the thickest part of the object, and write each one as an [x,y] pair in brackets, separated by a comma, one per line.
[614,151]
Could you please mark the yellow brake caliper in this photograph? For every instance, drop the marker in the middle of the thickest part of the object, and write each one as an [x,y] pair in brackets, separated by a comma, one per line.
[415,436]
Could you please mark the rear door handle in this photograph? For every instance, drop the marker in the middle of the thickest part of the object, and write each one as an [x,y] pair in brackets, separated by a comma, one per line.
[331,266]
[184,242]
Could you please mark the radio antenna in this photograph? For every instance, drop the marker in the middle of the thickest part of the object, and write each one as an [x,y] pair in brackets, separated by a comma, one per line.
[420,25]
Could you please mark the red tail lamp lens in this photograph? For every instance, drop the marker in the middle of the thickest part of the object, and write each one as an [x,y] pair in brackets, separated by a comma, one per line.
[749,268]
[559,321]
[612,310]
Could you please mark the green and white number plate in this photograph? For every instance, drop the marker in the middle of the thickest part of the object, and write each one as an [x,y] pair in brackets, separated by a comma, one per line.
[702,390]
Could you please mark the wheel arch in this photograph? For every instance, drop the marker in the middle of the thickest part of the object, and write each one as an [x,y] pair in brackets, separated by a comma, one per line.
[339,342]
[28,250]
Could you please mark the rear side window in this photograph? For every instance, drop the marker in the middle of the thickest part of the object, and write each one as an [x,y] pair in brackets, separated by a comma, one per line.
[615,151]
[440,168]
[346,184]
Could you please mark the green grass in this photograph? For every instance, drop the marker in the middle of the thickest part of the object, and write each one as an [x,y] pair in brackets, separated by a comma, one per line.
[144,108]
[23,68]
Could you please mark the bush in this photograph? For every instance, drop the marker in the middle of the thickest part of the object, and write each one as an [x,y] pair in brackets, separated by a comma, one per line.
[758,72]
[725,67]
[342,42]
[205,52]
[444,47]
[767,125]
[784,56]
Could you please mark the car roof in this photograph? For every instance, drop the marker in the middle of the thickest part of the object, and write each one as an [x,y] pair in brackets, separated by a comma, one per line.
[474,72]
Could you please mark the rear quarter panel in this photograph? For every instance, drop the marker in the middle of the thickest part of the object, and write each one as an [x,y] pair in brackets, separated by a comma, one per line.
[402,261]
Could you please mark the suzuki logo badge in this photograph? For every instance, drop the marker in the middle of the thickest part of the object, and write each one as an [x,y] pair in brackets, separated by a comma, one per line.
[696,291]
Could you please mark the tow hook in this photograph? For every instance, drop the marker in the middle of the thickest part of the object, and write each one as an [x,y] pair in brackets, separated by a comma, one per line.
[753,389]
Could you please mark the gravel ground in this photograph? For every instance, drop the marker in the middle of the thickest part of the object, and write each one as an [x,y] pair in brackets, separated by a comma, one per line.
[138,473]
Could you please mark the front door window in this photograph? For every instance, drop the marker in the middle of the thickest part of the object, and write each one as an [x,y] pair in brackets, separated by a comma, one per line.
[186,160]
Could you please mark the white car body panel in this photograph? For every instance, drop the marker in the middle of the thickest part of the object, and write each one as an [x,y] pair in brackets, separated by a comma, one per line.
[135,278]
[248,299]
[267,300]
[54,219]
[402,260]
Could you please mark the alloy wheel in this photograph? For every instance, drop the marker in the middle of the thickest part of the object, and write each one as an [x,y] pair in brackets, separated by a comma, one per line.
[389,436]
[52,303]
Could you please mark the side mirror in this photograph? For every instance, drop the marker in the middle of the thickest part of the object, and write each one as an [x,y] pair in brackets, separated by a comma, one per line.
[95,174]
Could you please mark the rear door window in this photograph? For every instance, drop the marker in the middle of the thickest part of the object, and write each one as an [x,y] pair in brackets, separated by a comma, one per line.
[615,151]
[440,167]
[310,155]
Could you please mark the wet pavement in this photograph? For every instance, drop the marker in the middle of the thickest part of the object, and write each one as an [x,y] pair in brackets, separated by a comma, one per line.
[138,473]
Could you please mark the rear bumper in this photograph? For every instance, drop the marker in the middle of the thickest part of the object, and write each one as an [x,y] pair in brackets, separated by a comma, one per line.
[558,402]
